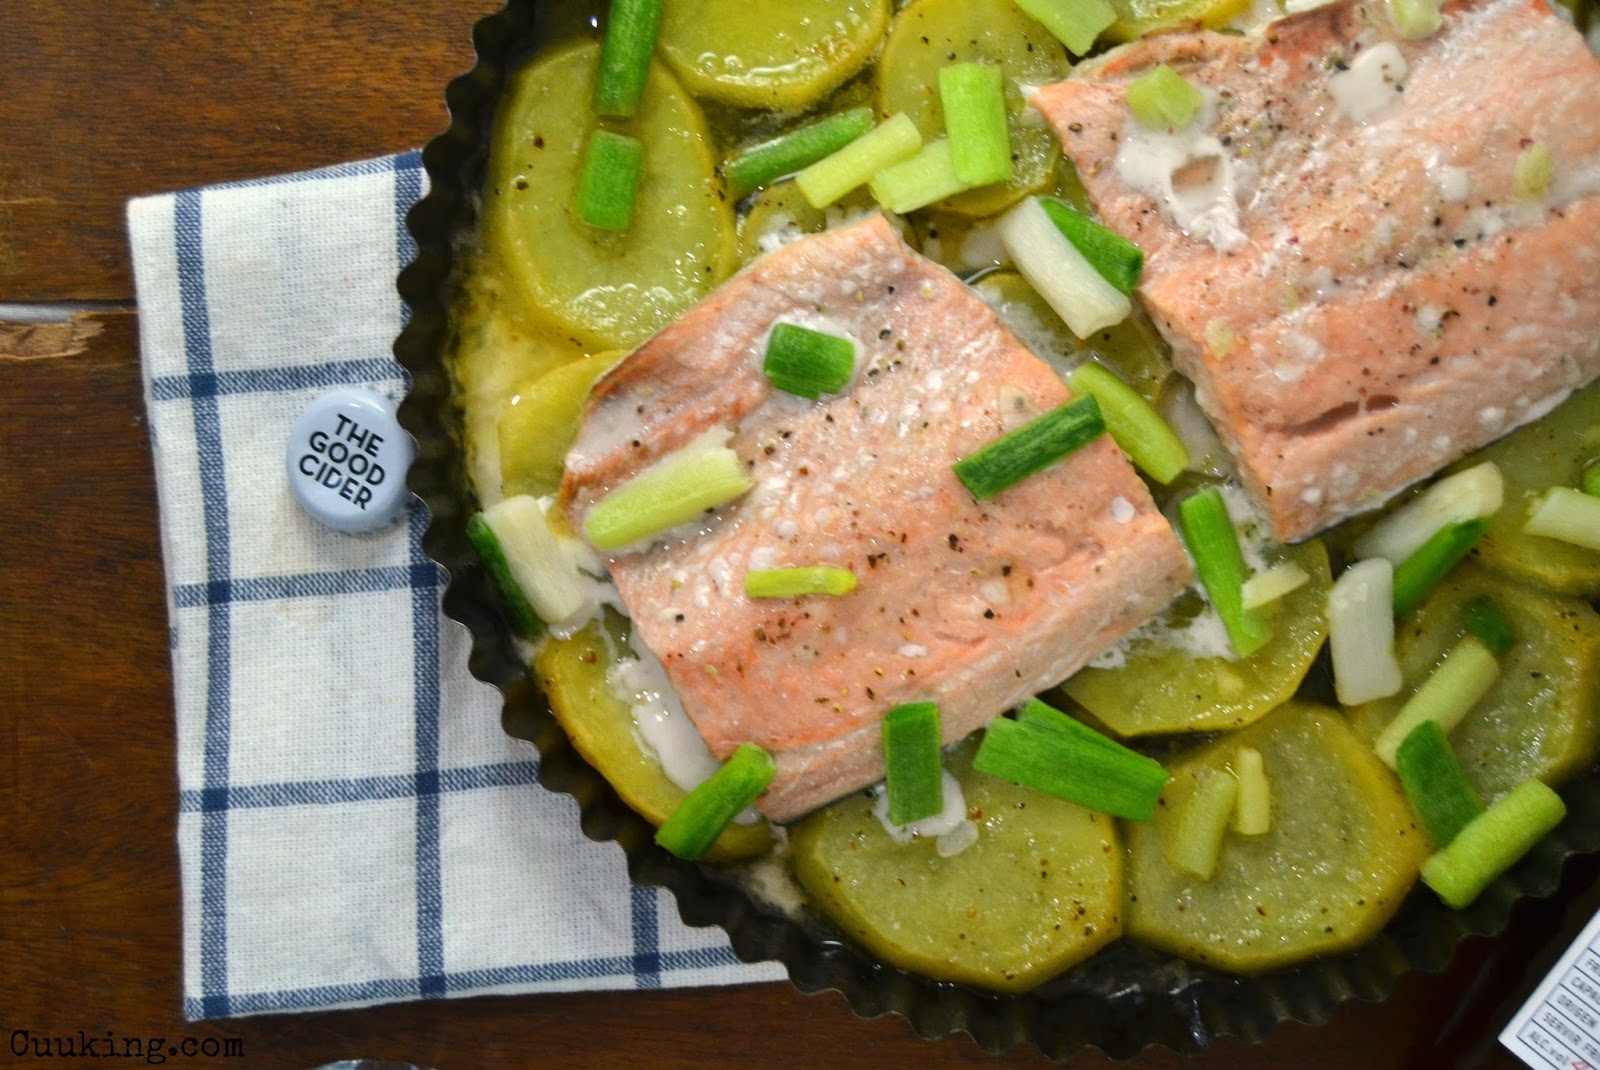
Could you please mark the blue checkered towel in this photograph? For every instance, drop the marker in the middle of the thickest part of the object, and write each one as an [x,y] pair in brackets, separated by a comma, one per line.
[354,827]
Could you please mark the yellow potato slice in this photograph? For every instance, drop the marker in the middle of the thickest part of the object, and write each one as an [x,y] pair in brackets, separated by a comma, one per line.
[1038,891]
[1339,858]
[1541,719]
[779,54]
[607,291]
[540,421]
[1138,18]
[782,210]
[931,34]
[1165,688]
[572,674]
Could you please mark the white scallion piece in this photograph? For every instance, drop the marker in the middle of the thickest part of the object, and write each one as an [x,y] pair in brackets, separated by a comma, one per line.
[1361,633]
[1568,515]
[544,570]
[1054,267]
[1467,495]
[1273,584]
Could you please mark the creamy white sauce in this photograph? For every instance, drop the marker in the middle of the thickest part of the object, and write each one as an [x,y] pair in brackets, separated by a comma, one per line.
[950,827]
[1371,84]
[1188,174]
[1453,183]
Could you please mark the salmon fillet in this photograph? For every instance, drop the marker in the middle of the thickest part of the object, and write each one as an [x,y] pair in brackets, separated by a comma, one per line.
[974,606]
[1342,265]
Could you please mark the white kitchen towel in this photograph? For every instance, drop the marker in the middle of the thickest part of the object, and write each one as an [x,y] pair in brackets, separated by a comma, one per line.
[354,827]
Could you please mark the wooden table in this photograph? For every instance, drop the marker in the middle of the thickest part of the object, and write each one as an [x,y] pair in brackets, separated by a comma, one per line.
[101,101]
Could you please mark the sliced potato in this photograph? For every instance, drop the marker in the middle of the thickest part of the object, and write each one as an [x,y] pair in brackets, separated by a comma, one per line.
[1038,891]
[1548,452]
[540,421]
[1133,348]
[1138,18]
[572,674]
[785,54]
[782,211]
[1340,855]
[1541,718]
[1164,687]
[930,34]
[608,291]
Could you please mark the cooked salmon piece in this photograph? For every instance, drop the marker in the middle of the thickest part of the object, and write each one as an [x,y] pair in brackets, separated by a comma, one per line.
[974,606]
[1336,248]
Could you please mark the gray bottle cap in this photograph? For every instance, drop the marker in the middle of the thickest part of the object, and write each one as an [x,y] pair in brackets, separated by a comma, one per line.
[347,459]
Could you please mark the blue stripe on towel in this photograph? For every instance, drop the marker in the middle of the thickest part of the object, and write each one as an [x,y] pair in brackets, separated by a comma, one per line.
[304,585]
[275,380]
[646,936]
[189,240]
[356,789]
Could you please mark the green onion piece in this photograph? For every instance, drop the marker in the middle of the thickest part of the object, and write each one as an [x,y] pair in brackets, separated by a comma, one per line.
[1194,842]
[1133,422]
[1066,280]
[1252,807]
[1031,448]
[1568,515]
[1421,572]
[1591,478]
[1117,259]
[911,762]
[1162,100]
[1042,715]
[1214,545]
[757,166]
[1469,494]
[974,102]
[1492,842]
[836,174]
[1435,784]
[631,27]
[672,491]
[797,582]
[1465,675]
[483,540]
[1487,624]
[609,180]
[1531,180]
[1415,19]
[1075,23]
[697,822]
[928,176]
[806,362]
[1264,588]
[1094,773]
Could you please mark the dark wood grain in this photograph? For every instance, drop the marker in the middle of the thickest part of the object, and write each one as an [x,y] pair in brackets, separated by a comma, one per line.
[102,100]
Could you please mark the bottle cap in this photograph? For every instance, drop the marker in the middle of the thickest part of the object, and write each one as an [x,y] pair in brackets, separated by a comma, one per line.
[347,459]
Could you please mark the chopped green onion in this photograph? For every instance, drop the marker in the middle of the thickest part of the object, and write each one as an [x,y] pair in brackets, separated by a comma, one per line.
[1435,784]
[1252,807]
[1141,432]
[631,27]
[697,822]
[1465,675]
[1591,478]
[1531,180]
[1214,545]
[1031,448]
[1062,275]
[1043,715]
[757,166]
[911,762]
[1568,515]
[928,176]
[1415,19]
[974,102]
[1194,841]
[836,174]
[1162,100]
[1075,23]
[1117,259]
[806,362]
[1493,842]
[1422,571]
[1072,763]
[609,180]
[1467,495]
[797,582]
[1264,588]
[538,577]
[1487,623]
[1361,633]
[674,490]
